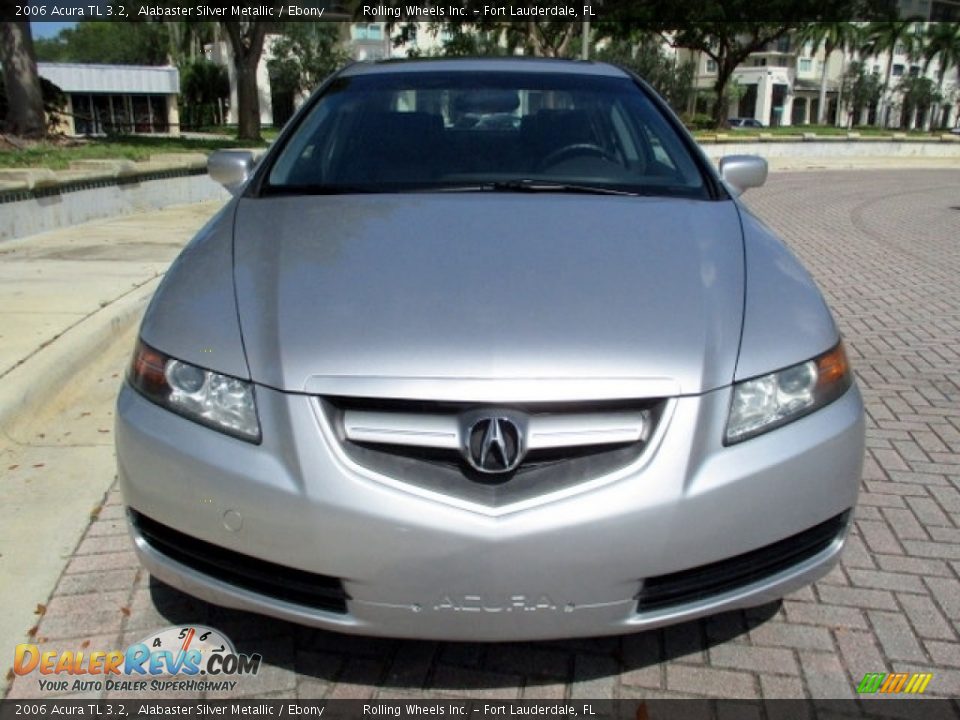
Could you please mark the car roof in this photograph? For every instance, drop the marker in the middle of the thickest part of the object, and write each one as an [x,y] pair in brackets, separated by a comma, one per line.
[510,64]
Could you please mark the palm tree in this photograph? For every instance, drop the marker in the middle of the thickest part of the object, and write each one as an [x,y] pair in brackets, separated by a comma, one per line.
[943,45]
[831,36]
[884,36]
[187,40]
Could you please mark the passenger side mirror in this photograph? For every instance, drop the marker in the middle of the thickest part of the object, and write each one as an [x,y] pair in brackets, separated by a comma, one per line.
[231,168]
[742,172]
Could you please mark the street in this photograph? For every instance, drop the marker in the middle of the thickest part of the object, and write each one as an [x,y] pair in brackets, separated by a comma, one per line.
[883,246]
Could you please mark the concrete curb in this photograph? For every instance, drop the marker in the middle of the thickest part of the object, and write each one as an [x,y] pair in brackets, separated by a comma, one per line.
[40,376]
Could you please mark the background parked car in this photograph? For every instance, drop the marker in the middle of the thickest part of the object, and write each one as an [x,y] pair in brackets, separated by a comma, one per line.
[744,123]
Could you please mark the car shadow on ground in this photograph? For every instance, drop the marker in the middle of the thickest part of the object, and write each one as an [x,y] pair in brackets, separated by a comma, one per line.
[323,658]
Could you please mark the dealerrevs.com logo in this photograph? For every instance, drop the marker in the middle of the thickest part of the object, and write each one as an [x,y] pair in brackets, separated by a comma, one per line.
[192,658]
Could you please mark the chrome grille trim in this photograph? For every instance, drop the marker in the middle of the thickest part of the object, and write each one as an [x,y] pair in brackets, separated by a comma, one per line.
[579,429]
[386,428]
[548,473]
[446,432]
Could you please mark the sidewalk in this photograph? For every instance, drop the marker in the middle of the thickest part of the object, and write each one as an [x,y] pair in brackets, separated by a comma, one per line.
[70,301]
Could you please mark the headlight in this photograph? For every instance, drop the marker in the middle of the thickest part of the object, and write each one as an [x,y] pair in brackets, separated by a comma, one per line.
[221,402]
[767,402]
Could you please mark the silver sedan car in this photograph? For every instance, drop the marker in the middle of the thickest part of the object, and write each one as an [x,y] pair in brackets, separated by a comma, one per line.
[487,350]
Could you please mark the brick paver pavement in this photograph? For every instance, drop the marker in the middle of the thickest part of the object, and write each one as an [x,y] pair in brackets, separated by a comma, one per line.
[885,247]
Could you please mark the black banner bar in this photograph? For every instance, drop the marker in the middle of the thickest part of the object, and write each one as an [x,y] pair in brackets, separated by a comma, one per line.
[907,709]
[660,13]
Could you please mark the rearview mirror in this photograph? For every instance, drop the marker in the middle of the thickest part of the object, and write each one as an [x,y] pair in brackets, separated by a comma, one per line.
[231,168]
[742,172]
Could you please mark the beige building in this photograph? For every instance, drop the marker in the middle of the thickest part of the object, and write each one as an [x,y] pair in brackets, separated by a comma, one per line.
[781,85]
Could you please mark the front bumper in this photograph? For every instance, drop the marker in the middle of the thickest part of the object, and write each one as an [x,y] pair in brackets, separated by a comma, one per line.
[417,565]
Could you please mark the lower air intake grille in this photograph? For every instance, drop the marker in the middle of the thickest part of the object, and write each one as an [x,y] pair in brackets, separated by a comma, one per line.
[708,580]
[296,586]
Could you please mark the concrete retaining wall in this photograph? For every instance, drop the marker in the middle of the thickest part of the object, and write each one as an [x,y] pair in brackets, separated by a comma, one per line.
[863,148]
[52,207]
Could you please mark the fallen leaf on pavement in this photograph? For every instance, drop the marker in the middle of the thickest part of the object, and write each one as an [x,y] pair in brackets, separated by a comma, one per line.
[41,609]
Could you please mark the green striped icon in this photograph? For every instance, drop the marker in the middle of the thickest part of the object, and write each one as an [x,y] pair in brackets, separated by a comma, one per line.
[913,683]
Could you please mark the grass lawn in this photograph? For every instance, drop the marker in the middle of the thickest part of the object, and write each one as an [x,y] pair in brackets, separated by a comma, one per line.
[57,156]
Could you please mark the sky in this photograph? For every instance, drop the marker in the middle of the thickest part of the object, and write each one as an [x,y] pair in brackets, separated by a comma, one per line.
[48,29]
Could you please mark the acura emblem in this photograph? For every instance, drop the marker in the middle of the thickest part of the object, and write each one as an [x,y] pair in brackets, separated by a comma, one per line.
[494,444]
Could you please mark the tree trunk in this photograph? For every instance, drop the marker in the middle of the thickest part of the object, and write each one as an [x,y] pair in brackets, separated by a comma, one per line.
[535,39]
[882,105]
[246,44]
[25,115]
[841,119]
[937,110]
[822,107]
[956,117]
[248,102]
[720,110]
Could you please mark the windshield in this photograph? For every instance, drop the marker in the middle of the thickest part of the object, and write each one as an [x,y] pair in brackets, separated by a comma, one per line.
[475,131]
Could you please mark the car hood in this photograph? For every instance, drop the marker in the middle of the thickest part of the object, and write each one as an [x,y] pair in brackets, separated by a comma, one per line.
[489,296]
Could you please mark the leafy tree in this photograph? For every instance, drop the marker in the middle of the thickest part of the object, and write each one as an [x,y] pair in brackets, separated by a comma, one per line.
[540,38]
[942,45]
[305,54]
[728,45]
[884,36]
[188,38]
[21,83]
[645,56]
[462,39]
[830,36]
[203,85]
[111,43]
[920,94]
[550,39]
[727,31]
[862,88]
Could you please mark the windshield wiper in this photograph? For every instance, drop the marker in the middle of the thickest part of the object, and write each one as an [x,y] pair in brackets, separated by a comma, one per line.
[536,186]
[518,186]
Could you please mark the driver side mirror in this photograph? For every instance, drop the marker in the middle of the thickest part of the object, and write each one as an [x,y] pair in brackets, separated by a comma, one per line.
[742,172]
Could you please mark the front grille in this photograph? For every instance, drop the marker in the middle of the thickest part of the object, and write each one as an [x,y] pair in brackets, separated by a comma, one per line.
[444,470]
[277,581]
[716,578]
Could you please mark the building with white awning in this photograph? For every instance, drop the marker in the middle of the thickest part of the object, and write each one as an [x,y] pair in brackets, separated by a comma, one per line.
[116,98]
